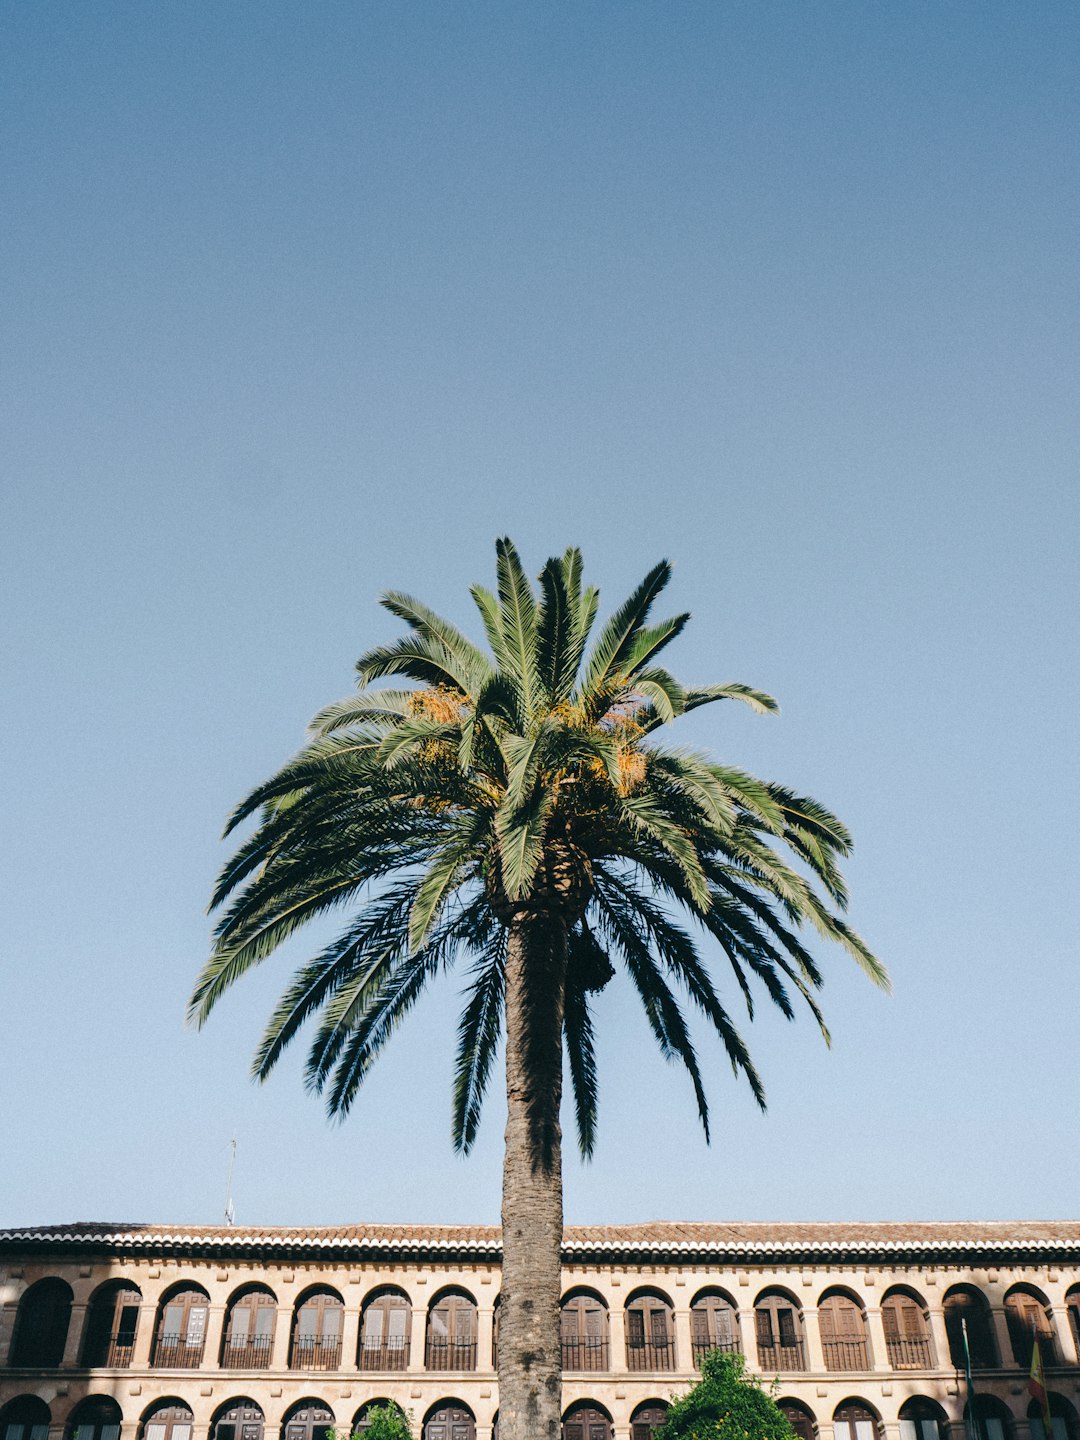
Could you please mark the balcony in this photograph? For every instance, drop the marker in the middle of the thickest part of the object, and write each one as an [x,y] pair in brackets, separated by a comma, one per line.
[775,1358]
[443,1354]
[644,1355]
[701,1348]
[845,1355]
[250,1353]
[909,1354]
[116,1352]
[584,1355]
[386,1356]
[174,1352]
[314,1352]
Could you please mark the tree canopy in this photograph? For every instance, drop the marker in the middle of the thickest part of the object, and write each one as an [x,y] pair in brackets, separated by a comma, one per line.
[727,1403]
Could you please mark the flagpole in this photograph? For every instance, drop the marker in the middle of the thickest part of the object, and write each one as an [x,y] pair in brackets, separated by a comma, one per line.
[971,1423]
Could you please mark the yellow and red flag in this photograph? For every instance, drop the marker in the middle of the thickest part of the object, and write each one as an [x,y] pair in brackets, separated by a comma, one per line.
[1037,1386]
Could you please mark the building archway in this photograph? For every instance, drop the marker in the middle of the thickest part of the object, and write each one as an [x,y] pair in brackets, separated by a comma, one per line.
[247,1341]
[98,1417]
[239,1419]
[307,1420]
[586,1420]
[450,1420]
[112,1322]
[41,1325]
[168,1419]
[180,1332]
[583,1326]
[800,1417]
[385,1321]
[648,1417]
[27,1417]
[854,1419]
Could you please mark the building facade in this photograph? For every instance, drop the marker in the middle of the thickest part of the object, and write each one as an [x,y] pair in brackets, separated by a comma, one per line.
[130,1332]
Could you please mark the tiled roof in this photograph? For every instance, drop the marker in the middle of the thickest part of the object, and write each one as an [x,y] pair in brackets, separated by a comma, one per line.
[659,1240]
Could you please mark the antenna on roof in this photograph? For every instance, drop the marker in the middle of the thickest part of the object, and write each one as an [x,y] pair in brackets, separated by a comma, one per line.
[230,1213]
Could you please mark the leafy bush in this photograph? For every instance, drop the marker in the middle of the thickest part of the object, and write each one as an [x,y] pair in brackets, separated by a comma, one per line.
[382,1422]
[725,1404]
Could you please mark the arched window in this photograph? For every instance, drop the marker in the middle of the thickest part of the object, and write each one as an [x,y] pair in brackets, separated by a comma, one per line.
[451,1332]
[966,1308]
[238,1420]
[364,1416]
[1027,1316]
[843,1332]
[650,1333]
[586,1421]
[1072,1301]
[450,1420]
[854,1420]
[384,1331]
[584,1329]
[1062,1419]
[248,1340]
[647,1418]
[309,1420]
[25,1418]
[316,1331]
[112,1323]
[41,1325]
[714,1324]
[922,1419]
[181,1329]
[907,1331]
[97,1417]
[167,1420]
[800,1418]
[778,1323]
[992,1419]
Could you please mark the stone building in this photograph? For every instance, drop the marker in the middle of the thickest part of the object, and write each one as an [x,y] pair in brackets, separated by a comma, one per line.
[139,1332]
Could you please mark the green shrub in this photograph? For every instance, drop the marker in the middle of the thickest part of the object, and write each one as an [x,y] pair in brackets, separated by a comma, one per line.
[725,1404]
[383,1422]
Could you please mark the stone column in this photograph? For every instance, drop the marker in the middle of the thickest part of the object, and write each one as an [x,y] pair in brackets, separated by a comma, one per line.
[73,1342]
[815,1356]
[879,1350]
[1001,1333]
[417,1337]
[617,1327]
[215,1320]
[279,1355]
[748,1337]
[350,1338]
[939,1338]
[684,1350]
[1066,1341]
[144,1337]
[485,1341]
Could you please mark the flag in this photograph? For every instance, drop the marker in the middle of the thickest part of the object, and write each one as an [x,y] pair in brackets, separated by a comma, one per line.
[1037,1385]
[971,1420]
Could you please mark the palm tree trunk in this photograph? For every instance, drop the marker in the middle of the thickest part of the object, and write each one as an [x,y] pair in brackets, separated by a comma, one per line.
[530,1360]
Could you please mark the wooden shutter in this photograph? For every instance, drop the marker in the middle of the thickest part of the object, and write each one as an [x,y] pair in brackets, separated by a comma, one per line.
[788,1336]
[635,1329]
[763,1322]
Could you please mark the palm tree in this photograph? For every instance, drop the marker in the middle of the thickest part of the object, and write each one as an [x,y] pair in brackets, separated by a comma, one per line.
[513,811]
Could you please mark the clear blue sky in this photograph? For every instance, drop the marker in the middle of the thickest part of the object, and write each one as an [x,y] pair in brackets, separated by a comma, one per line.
[307,301]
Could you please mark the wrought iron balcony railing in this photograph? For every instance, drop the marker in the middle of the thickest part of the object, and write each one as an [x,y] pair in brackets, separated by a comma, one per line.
[386,1355]
[775,1358]
[845,1354]
[315,1352]
[650,1355]
[174,1352]
[584,1354]
[907,1353]
[450,1354]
